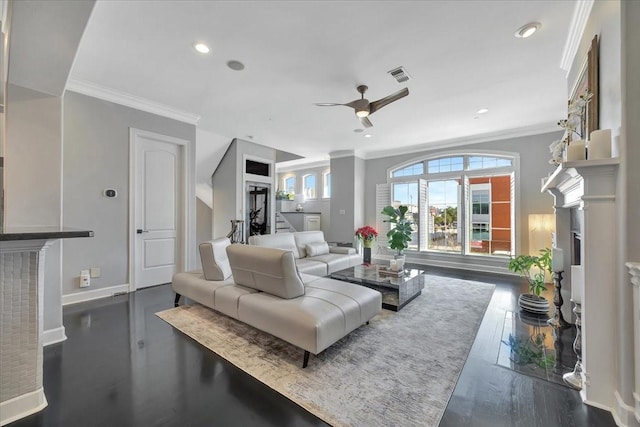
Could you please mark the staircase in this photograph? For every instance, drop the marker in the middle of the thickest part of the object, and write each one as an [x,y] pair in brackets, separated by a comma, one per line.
[282,225]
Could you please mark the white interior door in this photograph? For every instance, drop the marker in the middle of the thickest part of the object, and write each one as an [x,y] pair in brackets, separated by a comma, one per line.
[157,220]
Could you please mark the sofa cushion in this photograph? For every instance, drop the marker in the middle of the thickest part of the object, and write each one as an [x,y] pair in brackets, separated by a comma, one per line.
[317,248]
[369,300]
[193,285]
[215,263]
[334,262]
[302,238]
[284,241]
[265,269]
[308,266]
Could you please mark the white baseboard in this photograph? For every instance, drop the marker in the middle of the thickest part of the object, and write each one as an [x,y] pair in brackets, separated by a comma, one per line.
[83,296]
[53,336]
[22,406]
[623,414]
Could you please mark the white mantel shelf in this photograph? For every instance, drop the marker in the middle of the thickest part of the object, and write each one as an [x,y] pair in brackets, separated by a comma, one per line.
[590,187]
[568,171]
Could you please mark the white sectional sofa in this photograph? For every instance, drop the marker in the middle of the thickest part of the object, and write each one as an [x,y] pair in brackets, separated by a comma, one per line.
[262,287]
[312,253]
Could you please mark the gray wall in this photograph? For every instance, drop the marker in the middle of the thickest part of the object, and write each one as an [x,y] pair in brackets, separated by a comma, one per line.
[33,189]
[631,124]
[228,182]
[96,156]
[534,165]
[203,226]
[224,192]
[346,177]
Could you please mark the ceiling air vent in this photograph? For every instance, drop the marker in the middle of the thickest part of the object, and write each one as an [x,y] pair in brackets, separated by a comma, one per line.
[400,74]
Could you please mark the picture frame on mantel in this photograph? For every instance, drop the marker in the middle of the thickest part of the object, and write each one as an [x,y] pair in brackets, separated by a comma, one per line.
[588,79]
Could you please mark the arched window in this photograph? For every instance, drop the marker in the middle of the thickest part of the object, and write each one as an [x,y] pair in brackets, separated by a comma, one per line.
[309,187]
[460,203]
[290,185]
[326,185]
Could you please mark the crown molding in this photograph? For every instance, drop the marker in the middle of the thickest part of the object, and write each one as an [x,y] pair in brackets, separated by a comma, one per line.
[128,100]
[578,22]
[475,139]
[284,167]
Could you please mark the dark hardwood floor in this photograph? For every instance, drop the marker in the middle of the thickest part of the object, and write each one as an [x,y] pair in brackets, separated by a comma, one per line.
[123,366]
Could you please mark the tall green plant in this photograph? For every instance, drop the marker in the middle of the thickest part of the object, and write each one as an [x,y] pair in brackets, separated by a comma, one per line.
[400,234]
[533,269]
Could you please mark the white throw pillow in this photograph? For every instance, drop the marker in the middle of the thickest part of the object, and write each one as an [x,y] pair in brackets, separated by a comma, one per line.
[317,248]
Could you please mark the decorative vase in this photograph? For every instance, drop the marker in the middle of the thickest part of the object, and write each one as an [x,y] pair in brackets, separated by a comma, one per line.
[366,255]
[534,304]
[399,261]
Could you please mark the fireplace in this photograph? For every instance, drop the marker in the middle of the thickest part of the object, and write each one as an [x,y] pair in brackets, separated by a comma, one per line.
[585,202]
[575,227]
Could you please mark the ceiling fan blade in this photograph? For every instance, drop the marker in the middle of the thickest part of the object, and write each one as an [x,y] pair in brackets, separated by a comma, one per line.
[327,104]
[366,122]
[376,105]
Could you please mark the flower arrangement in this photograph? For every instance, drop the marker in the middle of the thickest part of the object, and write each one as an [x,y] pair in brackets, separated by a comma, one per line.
[367,234]
[575,123]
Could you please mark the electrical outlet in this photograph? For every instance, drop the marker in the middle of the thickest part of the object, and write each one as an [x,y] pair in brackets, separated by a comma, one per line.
[85,278]
[342,212]
[95,272]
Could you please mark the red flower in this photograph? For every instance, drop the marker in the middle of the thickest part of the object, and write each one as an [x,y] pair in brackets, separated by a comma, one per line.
[366,233]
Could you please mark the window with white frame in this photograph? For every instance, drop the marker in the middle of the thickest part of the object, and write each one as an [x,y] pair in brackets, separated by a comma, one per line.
[290,185]
[309,187]
[326,185]
[460,203]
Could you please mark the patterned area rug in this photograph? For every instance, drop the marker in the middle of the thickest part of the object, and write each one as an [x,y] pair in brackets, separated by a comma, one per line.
[399,370]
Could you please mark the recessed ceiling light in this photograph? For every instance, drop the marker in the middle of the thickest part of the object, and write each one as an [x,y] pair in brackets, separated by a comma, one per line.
[235,65]
[527,30]
[367,135]
[201,47]
[482,111]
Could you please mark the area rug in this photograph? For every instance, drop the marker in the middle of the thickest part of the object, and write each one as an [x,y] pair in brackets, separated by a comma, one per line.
[399,370]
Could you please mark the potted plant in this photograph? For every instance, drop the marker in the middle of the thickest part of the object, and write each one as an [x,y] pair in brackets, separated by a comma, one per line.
[367,235]
[533,269]
[400,234]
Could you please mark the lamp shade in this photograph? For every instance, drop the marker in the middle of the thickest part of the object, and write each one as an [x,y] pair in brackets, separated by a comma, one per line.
[541,226]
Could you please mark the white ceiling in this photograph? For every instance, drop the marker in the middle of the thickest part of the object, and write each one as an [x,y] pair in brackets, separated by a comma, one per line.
[461,55]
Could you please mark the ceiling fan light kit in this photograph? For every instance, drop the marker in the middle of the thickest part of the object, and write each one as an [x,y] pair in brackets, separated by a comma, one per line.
[363,108]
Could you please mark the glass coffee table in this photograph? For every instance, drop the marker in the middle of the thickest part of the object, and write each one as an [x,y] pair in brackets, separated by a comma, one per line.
[397,291]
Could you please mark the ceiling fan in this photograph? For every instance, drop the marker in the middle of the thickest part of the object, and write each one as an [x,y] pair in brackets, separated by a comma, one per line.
[364,108]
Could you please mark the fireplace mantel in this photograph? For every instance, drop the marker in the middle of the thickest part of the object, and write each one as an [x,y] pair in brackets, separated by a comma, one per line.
[568,185]
[590,187]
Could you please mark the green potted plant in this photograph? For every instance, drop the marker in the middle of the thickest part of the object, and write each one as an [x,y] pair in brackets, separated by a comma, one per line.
[533,268]
[400,234]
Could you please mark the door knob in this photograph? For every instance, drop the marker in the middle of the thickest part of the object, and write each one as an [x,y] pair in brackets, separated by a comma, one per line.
[140,231]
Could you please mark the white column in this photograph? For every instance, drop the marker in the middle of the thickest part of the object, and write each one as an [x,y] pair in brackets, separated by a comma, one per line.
[634,271]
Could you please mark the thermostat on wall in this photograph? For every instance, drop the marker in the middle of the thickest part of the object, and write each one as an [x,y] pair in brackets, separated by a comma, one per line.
[110,192]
